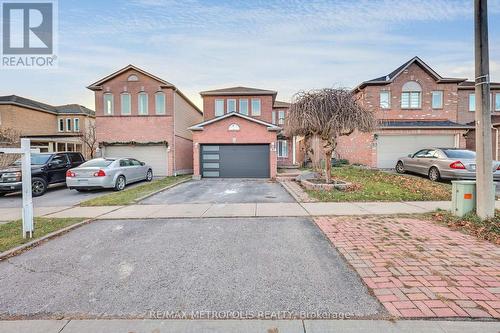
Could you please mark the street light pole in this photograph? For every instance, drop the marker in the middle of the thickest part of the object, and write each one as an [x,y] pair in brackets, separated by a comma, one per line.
[484,164]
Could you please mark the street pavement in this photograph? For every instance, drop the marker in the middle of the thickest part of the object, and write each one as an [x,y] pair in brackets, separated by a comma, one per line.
[127,268]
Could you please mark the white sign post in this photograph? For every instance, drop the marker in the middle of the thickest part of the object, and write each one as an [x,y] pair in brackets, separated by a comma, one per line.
[25,151]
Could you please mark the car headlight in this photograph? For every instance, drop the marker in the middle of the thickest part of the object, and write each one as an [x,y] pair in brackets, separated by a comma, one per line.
[11,176]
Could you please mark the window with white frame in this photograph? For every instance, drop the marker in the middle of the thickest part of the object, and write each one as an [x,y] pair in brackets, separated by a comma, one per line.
[61,125]
[472,102]
[411,96]
[76,125]
[437,99]
[160,103]
[219,107]
[244,106]
[497,102]
[143,103]
[282,148]
[231,105]
[68,124]
[273,117]
[255,106]
[385,99]
[281,117]
[108,104]
[125,101]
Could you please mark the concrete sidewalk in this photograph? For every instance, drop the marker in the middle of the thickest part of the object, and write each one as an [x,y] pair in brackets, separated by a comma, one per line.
[235,210]
[264,326]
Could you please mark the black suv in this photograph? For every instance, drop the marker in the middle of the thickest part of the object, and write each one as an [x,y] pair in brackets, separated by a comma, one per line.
[46,169]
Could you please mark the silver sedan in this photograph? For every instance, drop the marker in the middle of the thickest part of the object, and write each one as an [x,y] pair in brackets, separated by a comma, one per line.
[113,173]
[444,163]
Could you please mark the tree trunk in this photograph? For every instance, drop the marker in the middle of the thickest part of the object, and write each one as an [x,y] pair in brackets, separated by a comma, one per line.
[328,148]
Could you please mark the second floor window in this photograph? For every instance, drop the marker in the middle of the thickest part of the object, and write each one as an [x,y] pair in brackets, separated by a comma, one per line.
[472,102]
[68,124]
[231,105]
[125,103]
[244,106]
[76,124]
[437,99]
[255,106]
[385,99]
[411,97]
[497,102]
[281,117]
[219,107]
[108,104]
[160,103]
[61,125]
[143,103]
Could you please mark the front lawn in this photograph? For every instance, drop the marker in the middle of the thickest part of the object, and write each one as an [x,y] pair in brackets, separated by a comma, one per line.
[11,233]
[374,185]
[128,196]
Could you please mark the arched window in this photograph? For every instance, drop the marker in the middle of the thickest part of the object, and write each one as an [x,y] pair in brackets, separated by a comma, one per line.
[411,95]
[143,103]
[133,77]
[108,104]
[160,102]
[126,103]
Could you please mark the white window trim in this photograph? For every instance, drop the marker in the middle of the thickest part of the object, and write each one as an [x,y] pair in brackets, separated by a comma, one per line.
[227,105]
[215,107]
[260,106]
[129,103]
[440,92]
[388,92]
[497,95]
[142,93]
[161,93]
[410,107]
[248,106]
[286,145]
[281,121]
[112,104]
[76,121]
[68,124]
[59,127]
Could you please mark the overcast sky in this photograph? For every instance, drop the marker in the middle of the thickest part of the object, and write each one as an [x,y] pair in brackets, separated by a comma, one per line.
[285,45]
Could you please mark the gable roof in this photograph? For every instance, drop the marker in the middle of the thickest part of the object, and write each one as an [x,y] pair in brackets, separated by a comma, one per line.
[244,91]
[280,104]
[98,85]
[39,106]
[199,127]
[386,79]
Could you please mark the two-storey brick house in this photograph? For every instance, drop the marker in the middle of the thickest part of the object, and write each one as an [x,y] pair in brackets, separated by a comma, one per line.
[415,108]
[142,116]
[50,128]
[241,135]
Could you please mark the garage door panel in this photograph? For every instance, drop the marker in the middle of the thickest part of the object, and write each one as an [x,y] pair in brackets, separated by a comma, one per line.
[235,161]
[391,147]
[154,155]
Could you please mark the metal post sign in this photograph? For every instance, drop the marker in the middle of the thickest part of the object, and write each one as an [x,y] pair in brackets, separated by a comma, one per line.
[25,151]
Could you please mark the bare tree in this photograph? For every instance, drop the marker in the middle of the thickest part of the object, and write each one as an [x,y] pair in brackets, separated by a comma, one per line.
[89,139]
[9,137]
[329,114]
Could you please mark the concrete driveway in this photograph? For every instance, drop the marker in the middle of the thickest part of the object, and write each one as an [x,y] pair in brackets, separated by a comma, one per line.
[128,268]
[220,191]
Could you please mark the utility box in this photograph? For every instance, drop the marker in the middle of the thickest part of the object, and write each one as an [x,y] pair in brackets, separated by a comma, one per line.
[463,198]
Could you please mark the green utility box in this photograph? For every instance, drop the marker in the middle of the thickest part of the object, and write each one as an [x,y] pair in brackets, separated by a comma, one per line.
[463,198]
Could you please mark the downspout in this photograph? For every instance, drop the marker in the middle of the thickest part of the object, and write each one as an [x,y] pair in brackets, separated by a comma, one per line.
[174,171]
[496,142]
[293,150]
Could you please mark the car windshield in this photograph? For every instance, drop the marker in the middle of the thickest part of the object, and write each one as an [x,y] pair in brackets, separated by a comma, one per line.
[36,159]
[456,153]
[98,163]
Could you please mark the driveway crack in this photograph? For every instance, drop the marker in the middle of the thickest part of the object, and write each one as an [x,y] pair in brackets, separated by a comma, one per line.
[31,270]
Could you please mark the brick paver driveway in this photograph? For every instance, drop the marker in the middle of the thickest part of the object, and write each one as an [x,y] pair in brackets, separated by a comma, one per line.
[420,269]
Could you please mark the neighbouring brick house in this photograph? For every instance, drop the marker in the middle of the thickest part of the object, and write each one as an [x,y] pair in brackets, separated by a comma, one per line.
[416,108]
[50,128]
[241,135]
[142,116]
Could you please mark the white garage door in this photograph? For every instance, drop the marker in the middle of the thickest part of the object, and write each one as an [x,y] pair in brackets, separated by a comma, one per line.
[154,155]
[392,147]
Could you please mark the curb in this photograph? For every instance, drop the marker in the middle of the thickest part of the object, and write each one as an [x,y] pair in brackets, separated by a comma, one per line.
[24,247]
[161,190]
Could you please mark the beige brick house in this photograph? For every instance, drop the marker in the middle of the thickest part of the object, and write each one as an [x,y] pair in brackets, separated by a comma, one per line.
[50,128]
[143,116]
[416,108]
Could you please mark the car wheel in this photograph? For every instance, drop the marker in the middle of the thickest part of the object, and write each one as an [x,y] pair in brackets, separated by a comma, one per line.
[434,174]
[120,183]
[38,186]
[149,175]
[2,194]
[400,168]
[80,190]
